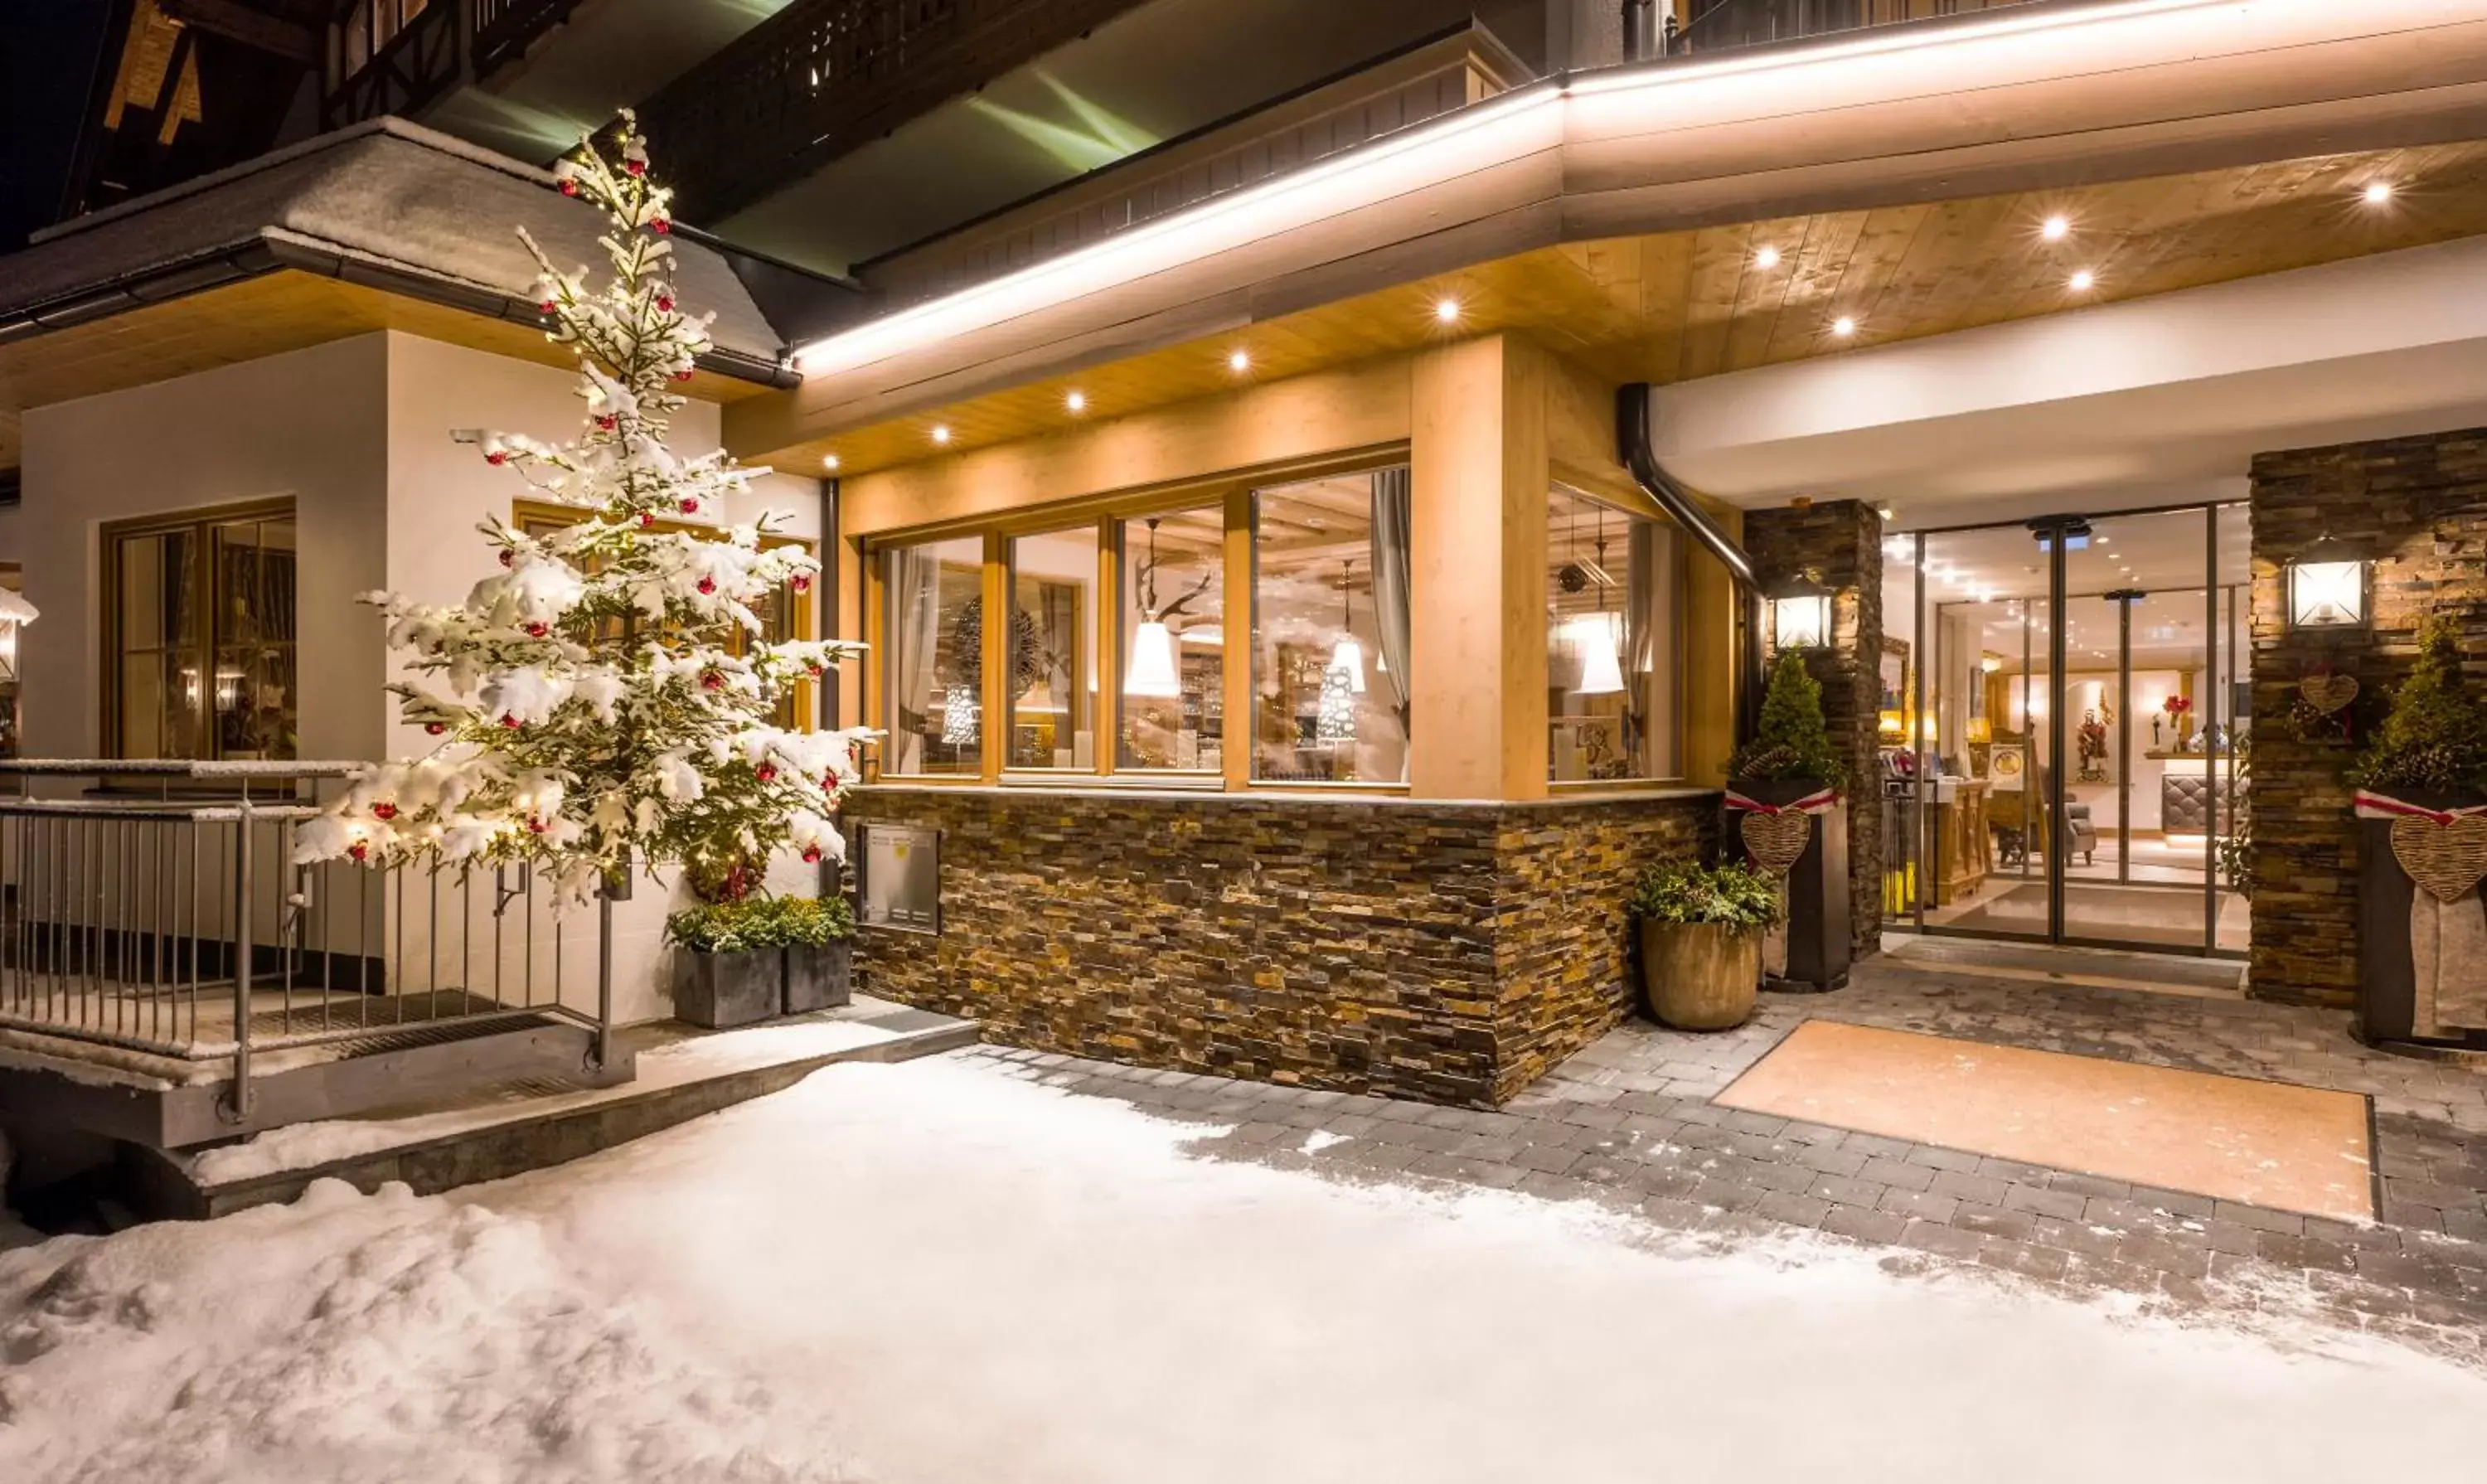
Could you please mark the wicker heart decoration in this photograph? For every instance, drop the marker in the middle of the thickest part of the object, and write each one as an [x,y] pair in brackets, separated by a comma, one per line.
[1776,841]
[2328,693]
[2445,859]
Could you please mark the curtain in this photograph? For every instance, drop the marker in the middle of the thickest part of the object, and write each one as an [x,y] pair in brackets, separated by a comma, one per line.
[915,628]
[1391,557]
[1642,586]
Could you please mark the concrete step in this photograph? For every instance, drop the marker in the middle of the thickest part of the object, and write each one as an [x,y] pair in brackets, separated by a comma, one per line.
[513,1128]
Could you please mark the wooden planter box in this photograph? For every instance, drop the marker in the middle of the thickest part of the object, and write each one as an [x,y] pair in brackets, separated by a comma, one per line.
[1818,947]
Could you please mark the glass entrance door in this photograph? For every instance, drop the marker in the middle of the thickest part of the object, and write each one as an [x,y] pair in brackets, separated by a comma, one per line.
[2063,708]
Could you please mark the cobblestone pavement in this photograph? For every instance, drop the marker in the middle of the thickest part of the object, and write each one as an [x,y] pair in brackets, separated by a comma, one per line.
[1630,1123]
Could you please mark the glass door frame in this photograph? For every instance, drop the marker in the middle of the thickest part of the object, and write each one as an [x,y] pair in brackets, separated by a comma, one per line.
[2219,766]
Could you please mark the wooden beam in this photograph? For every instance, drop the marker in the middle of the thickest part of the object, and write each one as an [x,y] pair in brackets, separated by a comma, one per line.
[236,21]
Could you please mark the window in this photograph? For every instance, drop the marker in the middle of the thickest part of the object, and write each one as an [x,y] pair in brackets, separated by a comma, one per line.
[1610,616]
[1330,630]
[934,657]
[1173,701]
[199,656]
[1052,693]
[11,724]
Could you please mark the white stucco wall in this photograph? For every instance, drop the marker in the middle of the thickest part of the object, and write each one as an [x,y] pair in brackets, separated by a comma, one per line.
[357,434]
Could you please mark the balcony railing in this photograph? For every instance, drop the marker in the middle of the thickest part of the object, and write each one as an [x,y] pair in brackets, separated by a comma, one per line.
[1715,25]
[179,928]
[822,76]
[397,56]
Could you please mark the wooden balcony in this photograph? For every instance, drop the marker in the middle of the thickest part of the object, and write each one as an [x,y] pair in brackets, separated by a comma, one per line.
[397,56]
[822,76]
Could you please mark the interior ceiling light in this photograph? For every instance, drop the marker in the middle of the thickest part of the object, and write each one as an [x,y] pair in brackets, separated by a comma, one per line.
[2054,229]
[1238,361]
[2083,280]
[941,433]
[829,462]
[1077,402]
[2378,192]
[1843,326]
[1766,256]
[1446,309]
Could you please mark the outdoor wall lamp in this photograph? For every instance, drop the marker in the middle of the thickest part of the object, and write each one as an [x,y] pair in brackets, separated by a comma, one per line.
[1799,614]
[2327,587]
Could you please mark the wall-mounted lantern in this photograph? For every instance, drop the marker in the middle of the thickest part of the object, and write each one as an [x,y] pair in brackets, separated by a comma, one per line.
[1799,614]
[2327,587]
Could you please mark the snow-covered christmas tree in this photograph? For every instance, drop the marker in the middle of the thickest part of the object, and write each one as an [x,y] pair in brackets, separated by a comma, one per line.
[606,700]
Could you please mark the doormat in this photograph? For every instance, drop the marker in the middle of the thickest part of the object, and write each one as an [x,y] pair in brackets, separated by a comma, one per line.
[2289,1148]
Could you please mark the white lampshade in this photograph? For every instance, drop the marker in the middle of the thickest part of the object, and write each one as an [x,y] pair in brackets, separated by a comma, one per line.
[1601,671]
[1153,672]
[1349,656]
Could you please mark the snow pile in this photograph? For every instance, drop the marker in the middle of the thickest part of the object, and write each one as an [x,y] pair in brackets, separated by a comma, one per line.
[379,1339]
[936,1272]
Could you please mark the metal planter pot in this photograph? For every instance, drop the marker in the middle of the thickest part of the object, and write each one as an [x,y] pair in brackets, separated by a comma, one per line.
[1817,927]
[1700,975]
[820,978]
[720,990]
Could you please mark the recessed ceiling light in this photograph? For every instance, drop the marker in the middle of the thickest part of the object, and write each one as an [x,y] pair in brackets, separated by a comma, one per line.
[941,433]
[2054,229]
[829,462]
[1446,309]
[2378,192]
[1238,361]
[1077,402]
[1766,256]
[1843,326]
[1886,511]
[2083,280]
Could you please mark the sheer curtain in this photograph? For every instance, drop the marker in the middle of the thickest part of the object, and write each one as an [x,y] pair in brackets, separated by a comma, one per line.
[915,627]
[1390,561]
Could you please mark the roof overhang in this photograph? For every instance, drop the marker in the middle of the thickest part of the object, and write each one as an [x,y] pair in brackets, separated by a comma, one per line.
[2056,96]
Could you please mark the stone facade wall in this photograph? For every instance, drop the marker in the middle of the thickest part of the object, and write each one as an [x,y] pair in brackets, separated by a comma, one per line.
[1839,544]
[2418,506]
[1444,952]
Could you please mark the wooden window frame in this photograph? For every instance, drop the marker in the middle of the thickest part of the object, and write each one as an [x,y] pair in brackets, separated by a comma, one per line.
[802,612]
[1111,513]
[1636,505]
[202,523]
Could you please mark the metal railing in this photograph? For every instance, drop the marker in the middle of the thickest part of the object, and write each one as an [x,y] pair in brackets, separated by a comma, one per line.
[160,911]
[397,56]
[1723,24]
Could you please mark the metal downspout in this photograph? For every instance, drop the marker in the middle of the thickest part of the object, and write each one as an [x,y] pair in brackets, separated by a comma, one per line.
[1632,447]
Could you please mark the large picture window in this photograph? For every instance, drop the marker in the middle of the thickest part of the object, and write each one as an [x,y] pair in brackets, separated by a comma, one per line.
[934,657]
[1173,701]
[199,646]
[1610,633]
[1330,630]
[1053,684]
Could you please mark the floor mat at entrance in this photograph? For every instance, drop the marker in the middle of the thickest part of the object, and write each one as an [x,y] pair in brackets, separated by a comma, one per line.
[2272,1144]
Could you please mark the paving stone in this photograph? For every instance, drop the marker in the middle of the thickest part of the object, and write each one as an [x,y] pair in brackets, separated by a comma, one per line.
[1952,1160]
[1847,1191]
[1919,1204]
[2090,1186]
[1863,1224]
[2261,1218]
[1927,1235]
[2167,1256]
[1980,1189]
[1995,1221]
[2063,1205]
[1884,1170]
[2046,1264]
[2289,1250]
[1794,1209]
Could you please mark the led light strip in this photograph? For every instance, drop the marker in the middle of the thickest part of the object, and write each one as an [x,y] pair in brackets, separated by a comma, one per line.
[1391,167]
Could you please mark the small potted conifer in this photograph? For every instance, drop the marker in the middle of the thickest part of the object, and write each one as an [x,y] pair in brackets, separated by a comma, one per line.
[1786,819]
[2420,853]
[1701,930]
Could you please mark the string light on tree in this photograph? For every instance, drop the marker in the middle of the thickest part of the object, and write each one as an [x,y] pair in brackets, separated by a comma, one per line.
[607,698]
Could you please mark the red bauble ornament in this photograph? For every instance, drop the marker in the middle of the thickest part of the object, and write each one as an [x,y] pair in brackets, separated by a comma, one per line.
[606,421]
[707,585]
[811,855]
[535,825]
[765,772]
[360,851]
[664,303]
[646,519]
[683,375]
[690,507]
[813,671]
[802,581]
[385,810]
[511,721]
[508,558]
[496,456]
[711,681]
[435,728]
[635,166]
[537,631]
[660,226]
[548,306]
[569,187]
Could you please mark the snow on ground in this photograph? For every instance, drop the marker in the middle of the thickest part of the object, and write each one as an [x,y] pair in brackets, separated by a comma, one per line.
[935,1272]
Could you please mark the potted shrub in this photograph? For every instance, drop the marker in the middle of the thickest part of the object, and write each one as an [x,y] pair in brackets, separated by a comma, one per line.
[1791,760]
[730,965]
[2420,847]
[818,933]
[1701,934]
